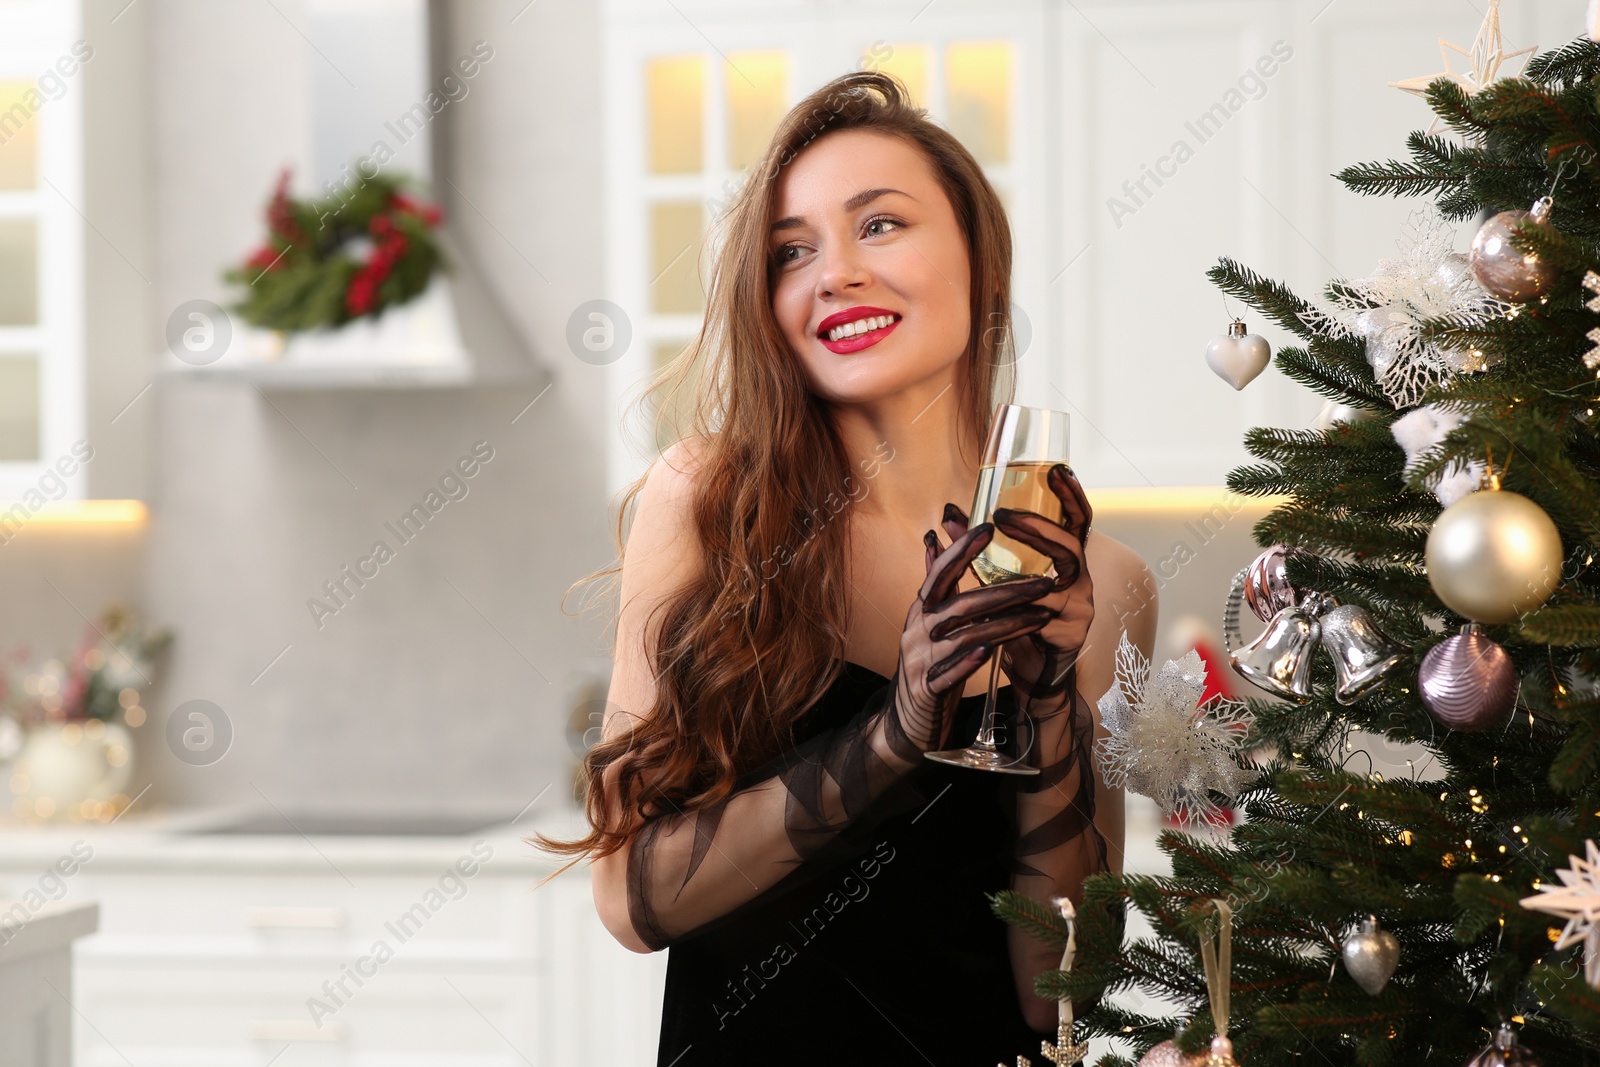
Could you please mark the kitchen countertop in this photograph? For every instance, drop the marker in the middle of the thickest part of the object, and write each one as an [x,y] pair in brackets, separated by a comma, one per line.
[178,839]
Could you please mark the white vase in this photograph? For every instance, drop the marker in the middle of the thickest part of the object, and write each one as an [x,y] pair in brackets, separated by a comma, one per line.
[62,765]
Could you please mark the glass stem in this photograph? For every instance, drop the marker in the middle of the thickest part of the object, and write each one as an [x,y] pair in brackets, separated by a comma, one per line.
[985,738]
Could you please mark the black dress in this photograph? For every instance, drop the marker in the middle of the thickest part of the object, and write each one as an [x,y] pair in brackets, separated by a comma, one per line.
[881,948]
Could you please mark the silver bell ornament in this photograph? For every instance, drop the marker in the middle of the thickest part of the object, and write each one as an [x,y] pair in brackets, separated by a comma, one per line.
[1279,660]
[1370,955]
[1467,682]
[1505,272]
[1493,555]
[1237,357]
[1505,1052]
[1363,655]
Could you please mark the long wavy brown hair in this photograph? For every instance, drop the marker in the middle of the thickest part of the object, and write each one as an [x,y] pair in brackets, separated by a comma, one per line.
[746,647]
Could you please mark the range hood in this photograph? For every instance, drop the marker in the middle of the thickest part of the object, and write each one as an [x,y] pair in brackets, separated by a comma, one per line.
[379,72]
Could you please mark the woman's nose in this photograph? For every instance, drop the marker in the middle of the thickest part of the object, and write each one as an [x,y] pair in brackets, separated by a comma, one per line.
[842,268]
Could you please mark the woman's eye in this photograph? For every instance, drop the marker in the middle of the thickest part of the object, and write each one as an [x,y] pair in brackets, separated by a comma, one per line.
[881,218]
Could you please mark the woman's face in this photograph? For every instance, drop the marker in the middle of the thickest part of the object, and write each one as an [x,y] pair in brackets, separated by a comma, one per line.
[861,223]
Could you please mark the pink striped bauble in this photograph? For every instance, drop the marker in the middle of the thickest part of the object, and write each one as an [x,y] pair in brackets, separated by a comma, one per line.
[1468,682]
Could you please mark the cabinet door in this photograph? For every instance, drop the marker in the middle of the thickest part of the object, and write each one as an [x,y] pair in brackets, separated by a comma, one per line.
[413,1009]
[603,1002]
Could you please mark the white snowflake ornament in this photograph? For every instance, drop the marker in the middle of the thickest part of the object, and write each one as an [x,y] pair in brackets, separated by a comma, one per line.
[1577,900]
[1164,743]
[1386,310]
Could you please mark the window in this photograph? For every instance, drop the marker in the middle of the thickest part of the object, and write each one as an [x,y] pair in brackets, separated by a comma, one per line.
[41,233]
[688,121]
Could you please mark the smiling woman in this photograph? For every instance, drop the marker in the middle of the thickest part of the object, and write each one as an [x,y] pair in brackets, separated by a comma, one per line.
[766,727]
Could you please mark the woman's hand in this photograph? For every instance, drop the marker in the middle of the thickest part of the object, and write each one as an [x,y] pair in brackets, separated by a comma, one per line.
[1038,665]
[947,636]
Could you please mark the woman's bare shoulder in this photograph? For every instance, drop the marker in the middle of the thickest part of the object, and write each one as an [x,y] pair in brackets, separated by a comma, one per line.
[661,537]
[661,559]
[1125,590]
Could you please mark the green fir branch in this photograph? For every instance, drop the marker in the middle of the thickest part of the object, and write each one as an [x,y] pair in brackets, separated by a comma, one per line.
[1035,919]
[1272,299]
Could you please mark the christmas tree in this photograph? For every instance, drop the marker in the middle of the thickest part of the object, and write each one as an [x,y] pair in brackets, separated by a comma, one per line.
[1467,383]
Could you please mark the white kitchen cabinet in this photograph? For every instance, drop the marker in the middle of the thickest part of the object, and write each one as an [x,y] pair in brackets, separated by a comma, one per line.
[35,977]
[216,949]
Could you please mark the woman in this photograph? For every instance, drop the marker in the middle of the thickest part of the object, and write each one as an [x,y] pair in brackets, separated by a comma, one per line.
[759,802]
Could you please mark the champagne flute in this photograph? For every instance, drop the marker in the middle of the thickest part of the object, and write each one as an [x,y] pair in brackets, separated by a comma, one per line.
[1024,443]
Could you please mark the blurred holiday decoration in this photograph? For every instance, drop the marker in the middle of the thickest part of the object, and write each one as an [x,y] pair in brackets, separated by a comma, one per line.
[1279,660]
[76,752]
[1591,282]
[1493,555]
[1501,269]
[1505,1052]
[1238,357]
[11,737]
[1422,429]
[1164,743]
[1386,310]
[1577,900]
[1333,413]
[1370,955]
[1186,632]
[1064,1053]
[1467,682]
[1487,54]
[355,253]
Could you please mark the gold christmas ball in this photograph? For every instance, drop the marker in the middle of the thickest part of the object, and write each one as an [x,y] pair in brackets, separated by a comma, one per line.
[1168,1054]
[1493,555]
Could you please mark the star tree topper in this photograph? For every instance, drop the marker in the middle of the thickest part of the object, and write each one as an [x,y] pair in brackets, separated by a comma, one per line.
[1577,900]
[1487,54]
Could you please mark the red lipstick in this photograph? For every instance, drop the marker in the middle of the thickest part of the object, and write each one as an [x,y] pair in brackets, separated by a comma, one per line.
[858,341]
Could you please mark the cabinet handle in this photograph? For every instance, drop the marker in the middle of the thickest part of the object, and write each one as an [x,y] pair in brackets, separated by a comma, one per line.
[293,1030]
[295,918]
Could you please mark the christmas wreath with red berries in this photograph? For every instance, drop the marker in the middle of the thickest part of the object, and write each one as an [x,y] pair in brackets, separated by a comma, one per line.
[325,262]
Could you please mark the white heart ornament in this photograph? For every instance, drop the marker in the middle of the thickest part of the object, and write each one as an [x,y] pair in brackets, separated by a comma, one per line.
[1238,357]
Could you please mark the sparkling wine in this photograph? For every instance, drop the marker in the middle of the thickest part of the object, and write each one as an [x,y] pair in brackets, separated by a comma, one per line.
[1020,485]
